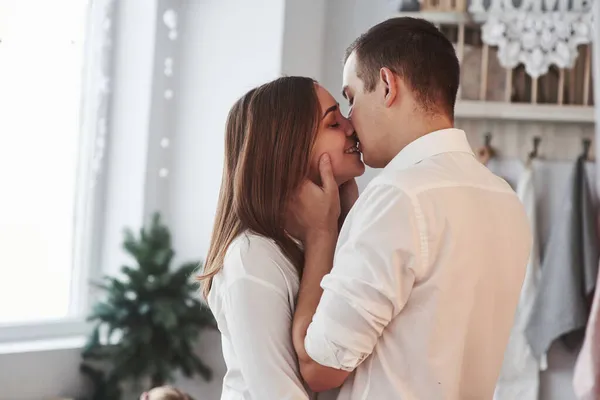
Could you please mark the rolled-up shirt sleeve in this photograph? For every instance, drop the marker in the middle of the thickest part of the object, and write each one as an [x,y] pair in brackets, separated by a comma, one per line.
[372,277]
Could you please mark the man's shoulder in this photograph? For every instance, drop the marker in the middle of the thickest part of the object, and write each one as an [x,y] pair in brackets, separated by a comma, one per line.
[442,172]
[381,195]
[401,182]
[382,185]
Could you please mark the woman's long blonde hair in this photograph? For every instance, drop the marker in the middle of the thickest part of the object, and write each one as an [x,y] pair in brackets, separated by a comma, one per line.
[269,135]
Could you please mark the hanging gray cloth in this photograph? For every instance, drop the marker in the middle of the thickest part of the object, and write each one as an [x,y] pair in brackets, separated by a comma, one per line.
[569,270]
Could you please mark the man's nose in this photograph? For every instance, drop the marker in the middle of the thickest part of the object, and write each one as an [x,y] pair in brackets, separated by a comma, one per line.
[348,127]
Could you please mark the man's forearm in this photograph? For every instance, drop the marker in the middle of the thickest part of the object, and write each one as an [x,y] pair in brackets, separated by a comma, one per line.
[318,260]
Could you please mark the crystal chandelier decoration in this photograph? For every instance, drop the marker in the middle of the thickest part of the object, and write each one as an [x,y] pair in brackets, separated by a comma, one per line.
[536,33]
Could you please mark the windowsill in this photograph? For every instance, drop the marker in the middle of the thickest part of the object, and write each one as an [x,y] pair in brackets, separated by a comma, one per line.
[44,336]
[41,345]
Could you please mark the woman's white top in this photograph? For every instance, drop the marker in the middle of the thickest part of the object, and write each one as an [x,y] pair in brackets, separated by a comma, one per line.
[253,299]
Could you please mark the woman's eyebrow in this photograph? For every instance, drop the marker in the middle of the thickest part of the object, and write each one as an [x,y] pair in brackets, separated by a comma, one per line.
[330,109]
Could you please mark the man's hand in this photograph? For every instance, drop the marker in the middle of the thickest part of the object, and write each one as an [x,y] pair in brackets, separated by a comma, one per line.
[315,210]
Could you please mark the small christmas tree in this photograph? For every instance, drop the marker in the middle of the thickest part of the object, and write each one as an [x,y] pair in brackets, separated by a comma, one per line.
[148,322]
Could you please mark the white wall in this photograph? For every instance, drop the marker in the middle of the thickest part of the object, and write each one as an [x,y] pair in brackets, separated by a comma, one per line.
[35,375]
[303,44]
[228,47]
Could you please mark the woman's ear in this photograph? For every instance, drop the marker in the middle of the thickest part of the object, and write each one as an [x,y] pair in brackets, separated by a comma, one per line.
[389,81]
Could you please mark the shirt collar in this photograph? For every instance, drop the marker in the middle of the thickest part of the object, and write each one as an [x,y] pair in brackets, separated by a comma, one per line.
[434,143]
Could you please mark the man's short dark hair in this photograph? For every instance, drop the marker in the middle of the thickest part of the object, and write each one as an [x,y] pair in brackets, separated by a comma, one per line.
[415,50]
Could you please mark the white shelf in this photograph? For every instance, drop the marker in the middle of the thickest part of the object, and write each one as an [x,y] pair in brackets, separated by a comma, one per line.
[474,109]
[445,17]
[523,112]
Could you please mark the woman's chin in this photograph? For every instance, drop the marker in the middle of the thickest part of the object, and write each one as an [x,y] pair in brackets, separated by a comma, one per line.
[350,173]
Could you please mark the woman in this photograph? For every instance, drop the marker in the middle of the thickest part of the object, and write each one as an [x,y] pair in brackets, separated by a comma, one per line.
[275,137]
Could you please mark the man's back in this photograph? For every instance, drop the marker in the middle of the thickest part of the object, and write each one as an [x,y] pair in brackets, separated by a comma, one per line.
[444,245]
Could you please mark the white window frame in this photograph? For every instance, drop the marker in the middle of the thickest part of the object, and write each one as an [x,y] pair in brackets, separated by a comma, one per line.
[124,154]
[91,182]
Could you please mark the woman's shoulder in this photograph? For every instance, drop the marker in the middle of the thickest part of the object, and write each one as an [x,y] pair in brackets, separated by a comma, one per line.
[256,258]
[252,244]
[254,269]
[250,251]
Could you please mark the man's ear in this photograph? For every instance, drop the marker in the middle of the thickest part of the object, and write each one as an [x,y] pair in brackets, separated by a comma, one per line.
[389,81]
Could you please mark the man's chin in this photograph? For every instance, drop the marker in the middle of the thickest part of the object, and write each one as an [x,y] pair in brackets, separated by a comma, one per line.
[340,180]
[369,162]
[361,170]
[366,161]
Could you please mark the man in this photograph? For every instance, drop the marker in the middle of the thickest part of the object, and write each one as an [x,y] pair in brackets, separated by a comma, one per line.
[429,263]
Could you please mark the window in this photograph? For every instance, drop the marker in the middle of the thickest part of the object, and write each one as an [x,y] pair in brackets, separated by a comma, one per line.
[42,47]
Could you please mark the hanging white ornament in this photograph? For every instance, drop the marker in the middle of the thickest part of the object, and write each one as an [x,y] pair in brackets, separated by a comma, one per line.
[168,71]
[538,33]
[170,19]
